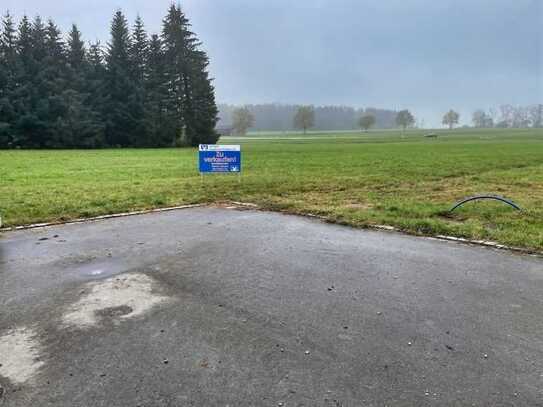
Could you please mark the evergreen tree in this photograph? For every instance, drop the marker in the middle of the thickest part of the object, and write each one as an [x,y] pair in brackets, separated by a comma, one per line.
[138,55]
[76,49]
[203,109]
[29,128]
[83,122]
[177,40]
[190,101]
[120,121]
[53,81]
[139,50]
[97,98]
[146,91]
[157,128]
[8,60]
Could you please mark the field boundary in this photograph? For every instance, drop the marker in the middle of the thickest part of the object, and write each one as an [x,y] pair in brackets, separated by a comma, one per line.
[252,206]
[394,229]
[98,218]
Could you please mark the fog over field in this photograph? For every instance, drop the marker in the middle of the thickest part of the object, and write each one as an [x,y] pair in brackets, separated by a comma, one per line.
[424,55]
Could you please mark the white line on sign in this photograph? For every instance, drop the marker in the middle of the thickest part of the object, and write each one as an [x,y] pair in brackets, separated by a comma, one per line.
[218,147]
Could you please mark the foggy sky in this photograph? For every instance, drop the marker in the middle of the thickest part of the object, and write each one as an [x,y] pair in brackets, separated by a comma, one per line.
[426,55]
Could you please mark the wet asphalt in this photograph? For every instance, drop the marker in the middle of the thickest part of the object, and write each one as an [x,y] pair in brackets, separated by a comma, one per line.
[273,310]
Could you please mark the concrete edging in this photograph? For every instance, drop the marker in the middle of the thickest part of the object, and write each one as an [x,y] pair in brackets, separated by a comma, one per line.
[247,205]
[97,218]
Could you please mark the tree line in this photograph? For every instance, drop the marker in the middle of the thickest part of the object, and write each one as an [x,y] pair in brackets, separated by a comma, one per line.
[509,116]
[140,90]
[242,119]
[281,117]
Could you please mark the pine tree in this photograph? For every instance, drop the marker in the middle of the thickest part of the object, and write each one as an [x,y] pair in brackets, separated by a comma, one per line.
[138,55]
[203,109]
[190,98]
[96,83]
[177,40]
[83,123]
[146,91]
[120,121]
[159,131]
[8,60]
[76,49]
[53,80]
[139,50]
[29,128]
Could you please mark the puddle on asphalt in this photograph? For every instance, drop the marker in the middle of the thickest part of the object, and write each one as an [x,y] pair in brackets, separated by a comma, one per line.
[101,269]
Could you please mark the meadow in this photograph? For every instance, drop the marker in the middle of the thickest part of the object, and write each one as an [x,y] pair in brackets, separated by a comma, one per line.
[382,177]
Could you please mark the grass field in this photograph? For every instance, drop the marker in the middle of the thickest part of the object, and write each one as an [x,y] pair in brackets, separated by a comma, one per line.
[376,178]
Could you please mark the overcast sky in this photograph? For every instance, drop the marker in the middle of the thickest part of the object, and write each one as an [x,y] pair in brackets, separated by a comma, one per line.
[426,55]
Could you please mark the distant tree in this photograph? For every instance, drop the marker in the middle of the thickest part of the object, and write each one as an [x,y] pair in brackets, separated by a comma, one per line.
[304,118]
[242,120]
[451,119]
[366,122]
[536,115]
[405,119]
[481,119]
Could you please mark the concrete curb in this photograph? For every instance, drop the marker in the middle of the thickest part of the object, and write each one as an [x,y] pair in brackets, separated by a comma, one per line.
[97,218]
[387,228]
[247,205]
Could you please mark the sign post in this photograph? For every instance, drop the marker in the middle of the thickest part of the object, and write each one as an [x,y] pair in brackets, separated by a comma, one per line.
[221,159]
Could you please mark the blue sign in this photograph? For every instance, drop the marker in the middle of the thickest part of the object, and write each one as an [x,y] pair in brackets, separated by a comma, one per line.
[217,158]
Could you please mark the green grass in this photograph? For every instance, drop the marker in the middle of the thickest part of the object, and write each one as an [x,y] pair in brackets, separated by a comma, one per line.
[377,178]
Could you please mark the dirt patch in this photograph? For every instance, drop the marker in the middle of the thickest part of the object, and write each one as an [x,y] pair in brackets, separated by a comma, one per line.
[19,355]
[122,297]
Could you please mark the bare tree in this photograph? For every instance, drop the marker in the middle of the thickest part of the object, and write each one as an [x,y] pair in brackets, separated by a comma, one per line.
[405,119]
[451,119]
[481,119]
[536,116]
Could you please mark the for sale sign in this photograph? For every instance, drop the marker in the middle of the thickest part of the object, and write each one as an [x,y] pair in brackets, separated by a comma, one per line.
[219,158]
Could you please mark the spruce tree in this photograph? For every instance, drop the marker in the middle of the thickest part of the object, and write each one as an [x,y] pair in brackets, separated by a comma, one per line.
[147,91]
[139,50]
[177,41]
[83,122]
[53,80]
[96,83]
[29,128]
[201,96]
[76,49]
[158,129]
[138,55]
[190,97]
[8,61]
[120,121]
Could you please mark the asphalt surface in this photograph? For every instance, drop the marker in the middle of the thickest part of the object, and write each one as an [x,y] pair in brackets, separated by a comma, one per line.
[220,307]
